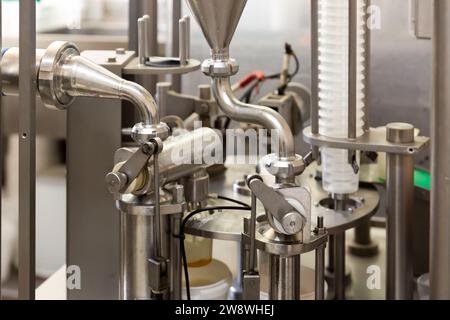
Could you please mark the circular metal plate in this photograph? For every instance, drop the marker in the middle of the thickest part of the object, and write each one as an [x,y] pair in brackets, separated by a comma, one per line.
[134,68]
[338,221]
[228,225]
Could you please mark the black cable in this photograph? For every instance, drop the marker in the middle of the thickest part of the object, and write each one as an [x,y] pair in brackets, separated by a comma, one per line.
[282,88]
[234,201]
[247,96]
[181,236]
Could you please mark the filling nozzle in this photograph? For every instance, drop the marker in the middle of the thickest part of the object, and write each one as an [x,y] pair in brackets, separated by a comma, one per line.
[263,116]
[284,164]
[218,20]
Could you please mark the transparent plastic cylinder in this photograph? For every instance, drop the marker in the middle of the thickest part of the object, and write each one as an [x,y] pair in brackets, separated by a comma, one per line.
[338,175]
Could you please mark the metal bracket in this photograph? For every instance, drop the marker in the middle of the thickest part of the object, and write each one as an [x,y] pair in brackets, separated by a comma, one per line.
[373,140]
[284,217]
[251,286]
[119,181]
[158,269]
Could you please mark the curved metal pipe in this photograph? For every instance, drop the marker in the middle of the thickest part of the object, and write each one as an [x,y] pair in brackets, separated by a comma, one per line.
[70,75]
[263,116]
[82,77]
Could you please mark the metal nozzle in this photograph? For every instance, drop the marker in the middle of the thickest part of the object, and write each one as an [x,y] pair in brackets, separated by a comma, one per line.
[64,75]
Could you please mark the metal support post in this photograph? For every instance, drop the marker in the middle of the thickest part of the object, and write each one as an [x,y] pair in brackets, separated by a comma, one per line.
[440,131]
[27,149]
[339,266]
[400,191]
[315,71]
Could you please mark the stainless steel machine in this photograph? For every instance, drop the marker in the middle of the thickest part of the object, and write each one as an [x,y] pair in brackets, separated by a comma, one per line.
[142,181]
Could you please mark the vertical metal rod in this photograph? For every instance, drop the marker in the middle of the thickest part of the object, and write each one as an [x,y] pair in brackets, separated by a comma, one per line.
[142,32]
[150,8]
[330,266]
[252,263]
[157,226]
[235,292]
[147,30]
[162,93]
[123,262]
[1,152]
[175,258]
[339,266]
[133,15]
[320,273]
[320,263]
[27,148]
[367,66]
[352,68]
[400,191]
[315,71]
[440,131]
[174,38]
[188,36]
[152,11]
[183,42]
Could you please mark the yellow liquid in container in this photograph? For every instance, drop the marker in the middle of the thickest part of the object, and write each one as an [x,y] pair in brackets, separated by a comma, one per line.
[198,251]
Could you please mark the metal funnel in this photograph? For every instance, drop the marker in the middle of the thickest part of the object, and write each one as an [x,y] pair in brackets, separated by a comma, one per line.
[218,20]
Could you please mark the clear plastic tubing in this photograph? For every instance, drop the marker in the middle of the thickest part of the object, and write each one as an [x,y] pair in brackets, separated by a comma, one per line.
[337,174]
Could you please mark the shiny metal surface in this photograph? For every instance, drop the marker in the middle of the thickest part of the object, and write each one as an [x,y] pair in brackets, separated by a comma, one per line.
[283,216]
[27,150]
[176,158]
[367,199]
[218,20]
[440,188]
[229,225]
[372,140]
[314,56]
[339,266]
[271,242]
[266,117]
[352,69]
[175,258]
[400,192]
[142,40]
[135,68]
[138,244]
[184,42]
[284,280]
[320,273]
[10,70]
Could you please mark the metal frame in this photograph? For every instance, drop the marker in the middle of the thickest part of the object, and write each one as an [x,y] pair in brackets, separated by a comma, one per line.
[1,152]
[90,208]
[315,72]
[174,41]
[440,191]
[27,149]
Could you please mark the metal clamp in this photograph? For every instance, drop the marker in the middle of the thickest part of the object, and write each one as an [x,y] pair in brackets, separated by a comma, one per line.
[119,181]
[283,217]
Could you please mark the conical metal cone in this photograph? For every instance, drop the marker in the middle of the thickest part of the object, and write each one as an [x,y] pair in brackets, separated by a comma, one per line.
[218,19]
